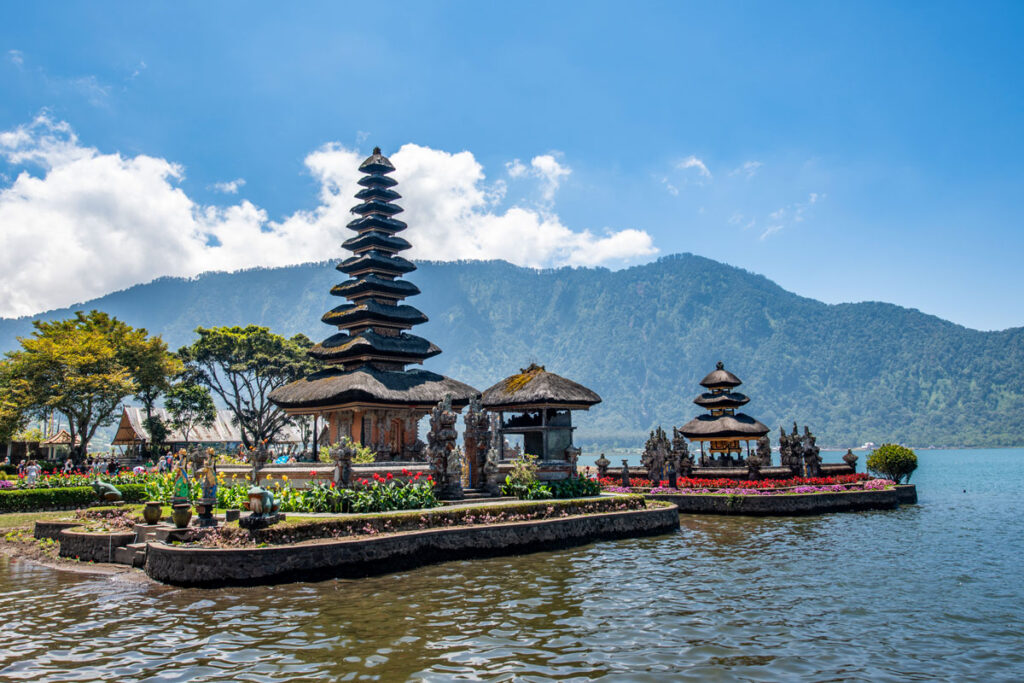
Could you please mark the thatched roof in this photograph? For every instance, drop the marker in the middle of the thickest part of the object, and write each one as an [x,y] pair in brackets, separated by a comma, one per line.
[371,312]
[379,261]
[376,180]
[375,222]
[405,347]
[376,163]
[374,206]
[61,438]
[732,399]
[534,388]
[382,193]
[369,386]
[374,284]
[720,378]
[375,239]
[738,426]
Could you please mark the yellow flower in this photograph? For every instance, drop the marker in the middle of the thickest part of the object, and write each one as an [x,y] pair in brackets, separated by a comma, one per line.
[269,477]
[285,477]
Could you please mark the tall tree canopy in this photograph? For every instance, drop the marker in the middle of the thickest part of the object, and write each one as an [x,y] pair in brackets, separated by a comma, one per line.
[152,367]
[190,406]
[82,367]
[242,365]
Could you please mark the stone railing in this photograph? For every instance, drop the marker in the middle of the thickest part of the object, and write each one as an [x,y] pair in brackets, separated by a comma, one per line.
[300,475]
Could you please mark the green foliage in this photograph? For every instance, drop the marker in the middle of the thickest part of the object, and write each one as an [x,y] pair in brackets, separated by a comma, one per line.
[853,372]
[242,365]
[371,496]
[522,482]
[190,406]
[30,500]
[157,430]
[892,461]
[364,454]
[574,487]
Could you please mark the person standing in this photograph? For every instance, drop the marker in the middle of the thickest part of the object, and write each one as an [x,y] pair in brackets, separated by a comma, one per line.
[32,472]
[68,466]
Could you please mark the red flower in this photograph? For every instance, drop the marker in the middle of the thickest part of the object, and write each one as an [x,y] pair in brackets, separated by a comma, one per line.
[405,472]
[390,476]
[417,477]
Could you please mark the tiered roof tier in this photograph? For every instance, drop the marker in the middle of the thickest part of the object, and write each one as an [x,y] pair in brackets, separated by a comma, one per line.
[722,425]
[367,358]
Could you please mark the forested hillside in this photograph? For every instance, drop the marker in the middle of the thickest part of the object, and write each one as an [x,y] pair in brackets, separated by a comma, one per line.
[644,336]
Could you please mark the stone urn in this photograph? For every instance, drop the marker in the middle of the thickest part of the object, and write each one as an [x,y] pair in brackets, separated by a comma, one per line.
[182,515]
[152,512]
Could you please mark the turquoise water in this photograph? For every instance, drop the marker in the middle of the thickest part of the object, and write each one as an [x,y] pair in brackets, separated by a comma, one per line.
[926,592]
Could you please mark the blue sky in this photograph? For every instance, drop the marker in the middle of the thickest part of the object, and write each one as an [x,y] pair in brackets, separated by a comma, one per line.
[848,151]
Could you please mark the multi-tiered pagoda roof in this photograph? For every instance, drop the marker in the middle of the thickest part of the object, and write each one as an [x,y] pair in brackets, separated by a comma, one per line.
[722,425]
[368,357]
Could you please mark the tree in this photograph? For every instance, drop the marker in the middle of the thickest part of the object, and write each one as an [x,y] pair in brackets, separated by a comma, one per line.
[76,367]
[892,462]
[13,417]
[152,367]
[242,365]
[190,406]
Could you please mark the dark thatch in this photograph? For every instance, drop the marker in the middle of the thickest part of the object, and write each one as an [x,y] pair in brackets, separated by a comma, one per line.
[720,378]
[375,222]
[738,426]
[376,163]
[382,193]
[378,261]
[725,400]
[404,347]
[378,208]
[371,312]
[371,386]
[535,387]
[371,284]
[376,180]
[375,239]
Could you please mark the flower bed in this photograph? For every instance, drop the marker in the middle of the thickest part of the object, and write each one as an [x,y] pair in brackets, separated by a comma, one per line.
[55,480]
[874,484]
[231,536]
[615,485]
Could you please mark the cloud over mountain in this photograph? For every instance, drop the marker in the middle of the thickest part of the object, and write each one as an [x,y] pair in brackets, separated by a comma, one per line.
[78,222]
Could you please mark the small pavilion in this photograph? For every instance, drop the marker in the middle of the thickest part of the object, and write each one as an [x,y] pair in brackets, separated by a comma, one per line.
[366,392]
[542,404]
[722,428]
[62,439]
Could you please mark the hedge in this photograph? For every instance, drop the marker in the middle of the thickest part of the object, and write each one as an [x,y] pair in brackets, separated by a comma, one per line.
[65,498]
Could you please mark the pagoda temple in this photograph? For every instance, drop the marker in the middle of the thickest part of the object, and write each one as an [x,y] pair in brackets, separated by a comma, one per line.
[722,427]
[366,392]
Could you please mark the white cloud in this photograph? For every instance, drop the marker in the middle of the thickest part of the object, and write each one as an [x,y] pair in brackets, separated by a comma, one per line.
[672,189]
[93,222]
[544,167]
[229,187]
[748,169]
[770,230]
[796,213]
[693,162]
[16,58]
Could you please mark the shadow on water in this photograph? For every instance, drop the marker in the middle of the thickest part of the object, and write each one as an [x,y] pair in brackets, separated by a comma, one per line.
[921,593]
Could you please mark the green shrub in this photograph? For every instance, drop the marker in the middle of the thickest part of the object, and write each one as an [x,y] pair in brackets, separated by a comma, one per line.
[31,500]
[892,462]
[574,487]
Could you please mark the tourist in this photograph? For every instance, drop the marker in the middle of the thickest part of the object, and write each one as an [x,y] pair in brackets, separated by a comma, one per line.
[32,472]
[21,468]
[68,466]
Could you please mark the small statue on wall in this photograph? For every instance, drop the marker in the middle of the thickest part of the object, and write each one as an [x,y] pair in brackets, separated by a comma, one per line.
[681,454]
[656,452]
[441,448]
[811,454]
[602,464]
[850,459]
[342,455]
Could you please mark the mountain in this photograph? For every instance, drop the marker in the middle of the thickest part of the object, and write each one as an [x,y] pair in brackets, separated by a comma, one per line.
[643,337]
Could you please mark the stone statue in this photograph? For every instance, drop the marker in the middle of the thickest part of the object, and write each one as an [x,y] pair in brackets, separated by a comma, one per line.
[625,473]
[850,459]
[476,438]
[491,473]
[572,456]
[207,478]
[762,457]
[602,464]
[180,489]
[681,454]
[655,454]
[342,454]
[441,449]
[787,455]
[812,459]
[106,492]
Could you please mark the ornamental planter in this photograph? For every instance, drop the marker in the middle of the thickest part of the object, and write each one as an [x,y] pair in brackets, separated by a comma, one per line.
[182,515]
[153,512]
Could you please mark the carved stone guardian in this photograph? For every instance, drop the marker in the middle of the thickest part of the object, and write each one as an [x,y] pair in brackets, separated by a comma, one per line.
[812,459]
[342,455]
[625,473]
[681,454]
[441,450]
[850,459]
[602,464]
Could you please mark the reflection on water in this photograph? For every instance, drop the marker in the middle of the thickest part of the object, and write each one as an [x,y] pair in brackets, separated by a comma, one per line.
[926,592]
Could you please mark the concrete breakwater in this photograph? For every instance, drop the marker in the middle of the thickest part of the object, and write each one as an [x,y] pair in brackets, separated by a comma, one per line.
[192,566]
[786,505]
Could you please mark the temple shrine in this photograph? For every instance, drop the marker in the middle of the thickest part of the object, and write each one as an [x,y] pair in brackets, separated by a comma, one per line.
[367,392]
[722,428]
[541,405]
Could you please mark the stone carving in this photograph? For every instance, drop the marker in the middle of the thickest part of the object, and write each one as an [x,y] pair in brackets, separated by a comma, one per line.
[602,464]
[850,459]
[787,458]
[810,451]
[342,455]
[762,457]
[476,439]
[491,474]
[441,449]
[207,478]
[106,492]
[572,456]
[681,454]
[656,452]
[625,473]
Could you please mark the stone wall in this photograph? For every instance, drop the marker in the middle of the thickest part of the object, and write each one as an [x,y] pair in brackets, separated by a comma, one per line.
[52,529]
[740,473]
[301,474]
[365,556]
[785,505]
[92,547]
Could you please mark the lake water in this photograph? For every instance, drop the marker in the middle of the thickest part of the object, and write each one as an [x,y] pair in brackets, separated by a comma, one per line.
[927,592]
